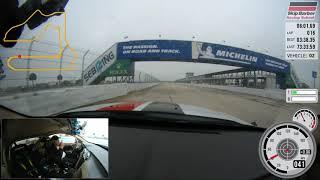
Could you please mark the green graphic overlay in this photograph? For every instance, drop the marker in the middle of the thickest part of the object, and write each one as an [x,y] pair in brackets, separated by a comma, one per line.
[122,67]
[293,92]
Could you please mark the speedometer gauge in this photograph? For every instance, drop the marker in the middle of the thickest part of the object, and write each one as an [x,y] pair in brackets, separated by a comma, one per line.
[287,150]
[306,118]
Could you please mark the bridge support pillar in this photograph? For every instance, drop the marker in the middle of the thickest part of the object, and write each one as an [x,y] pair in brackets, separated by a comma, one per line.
[255,79]
[244,80]
[281,80]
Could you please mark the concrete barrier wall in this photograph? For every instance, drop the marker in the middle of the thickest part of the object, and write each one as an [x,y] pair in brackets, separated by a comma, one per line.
[48,102]
[277,94]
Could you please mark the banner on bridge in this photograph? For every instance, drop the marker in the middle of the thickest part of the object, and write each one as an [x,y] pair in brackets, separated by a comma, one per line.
[155,50]
[227,55]
[126,53]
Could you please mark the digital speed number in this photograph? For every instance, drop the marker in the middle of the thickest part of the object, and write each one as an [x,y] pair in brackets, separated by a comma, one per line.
[287,150]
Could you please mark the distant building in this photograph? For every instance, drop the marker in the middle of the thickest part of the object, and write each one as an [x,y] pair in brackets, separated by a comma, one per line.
[189,74]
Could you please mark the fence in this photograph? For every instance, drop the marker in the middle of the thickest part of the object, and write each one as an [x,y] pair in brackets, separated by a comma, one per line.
[16,81]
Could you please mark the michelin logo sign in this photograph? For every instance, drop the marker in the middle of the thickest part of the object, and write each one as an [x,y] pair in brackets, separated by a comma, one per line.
[221,54]
[234,55]
[217,52]
[100,65]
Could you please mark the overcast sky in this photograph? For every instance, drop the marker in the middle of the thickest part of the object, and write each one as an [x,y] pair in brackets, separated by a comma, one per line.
[95,25]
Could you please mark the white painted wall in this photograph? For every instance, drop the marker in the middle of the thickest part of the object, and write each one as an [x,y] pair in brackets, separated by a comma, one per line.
[50,102]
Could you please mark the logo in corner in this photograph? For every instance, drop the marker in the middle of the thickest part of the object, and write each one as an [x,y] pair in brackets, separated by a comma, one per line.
[305,10]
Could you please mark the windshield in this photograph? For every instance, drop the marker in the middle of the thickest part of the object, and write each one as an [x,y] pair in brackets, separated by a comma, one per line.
[225,58]
[95,130]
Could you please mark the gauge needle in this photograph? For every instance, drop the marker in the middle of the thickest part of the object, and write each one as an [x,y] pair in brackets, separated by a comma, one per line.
[303,117]
[272,157]
[313,123]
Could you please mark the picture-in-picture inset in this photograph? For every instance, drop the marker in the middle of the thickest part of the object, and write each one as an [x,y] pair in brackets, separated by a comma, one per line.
[55,148]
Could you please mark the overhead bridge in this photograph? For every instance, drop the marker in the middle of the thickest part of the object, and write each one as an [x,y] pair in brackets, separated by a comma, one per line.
[119,59]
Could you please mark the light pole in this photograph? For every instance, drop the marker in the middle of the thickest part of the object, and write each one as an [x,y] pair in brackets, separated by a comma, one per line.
[28,61]
[61,57]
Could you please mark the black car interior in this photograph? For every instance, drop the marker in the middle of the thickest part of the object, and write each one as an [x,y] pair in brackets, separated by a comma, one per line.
[33,161]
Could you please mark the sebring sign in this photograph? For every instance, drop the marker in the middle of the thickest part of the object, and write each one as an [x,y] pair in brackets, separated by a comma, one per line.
[100,65]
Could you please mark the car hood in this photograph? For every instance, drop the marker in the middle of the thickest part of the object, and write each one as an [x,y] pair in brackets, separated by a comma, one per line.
[17,129]
[164,107]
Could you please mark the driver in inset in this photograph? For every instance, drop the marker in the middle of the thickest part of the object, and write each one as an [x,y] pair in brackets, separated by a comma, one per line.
[55,151]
